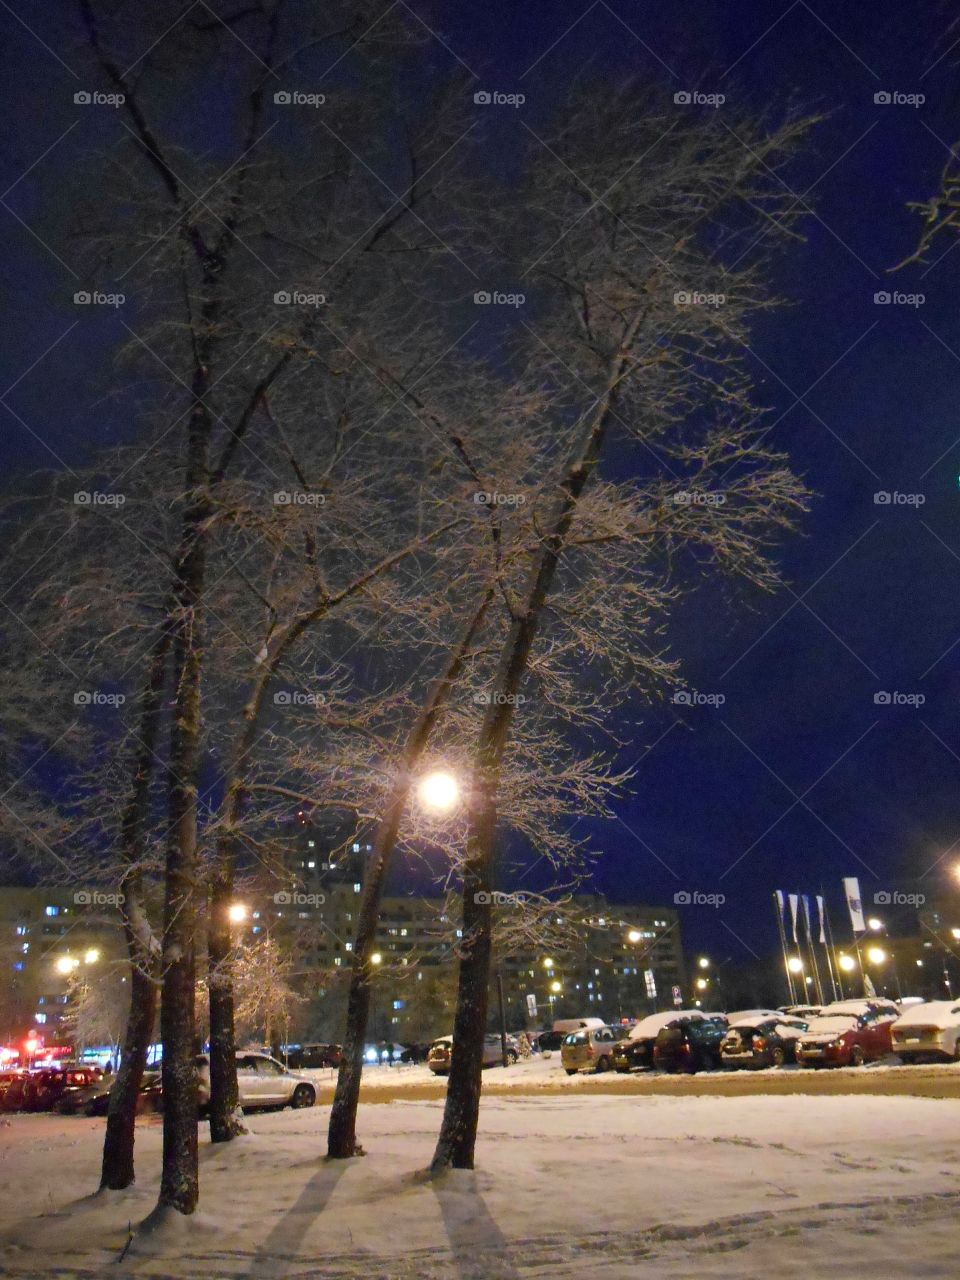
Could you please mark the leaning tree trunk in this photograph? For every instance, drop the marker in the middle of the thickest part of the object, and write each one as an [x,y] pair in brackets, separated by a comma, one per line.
[342,1133]
[117,1169]
[458,1131]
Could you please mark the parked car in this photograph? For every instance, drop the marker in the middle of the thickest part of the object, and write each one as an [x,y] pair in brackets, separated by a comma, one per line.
[590,1049]
[566,1025]
[847,1039]
[415,1053]
[801,1010]
[928,1031]
[636,1051]
[441,1052]
[43,1089]
[11,1081]
[690,1045]
[762,1042]
[263,1082]
[550,1041]
[95,1099]
[306,1056]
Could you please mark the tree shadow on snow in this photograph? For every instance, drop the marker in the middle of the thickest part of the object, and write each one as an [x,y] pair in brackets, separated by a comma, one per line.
[284,1241]
[480,1249]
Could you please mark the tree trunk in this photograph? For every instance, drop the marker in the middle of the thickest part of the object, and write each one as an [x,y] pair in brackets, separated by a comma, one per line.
[458,1131]
[225,1112]
[117,1169]
[342,1133]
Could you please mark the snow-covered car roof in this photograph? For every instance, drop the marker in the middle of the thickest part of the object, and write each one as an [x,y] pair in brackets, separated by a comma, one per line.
[938,1013]
[833,1022]
[654,1022]
[757,1015]
[854,1008]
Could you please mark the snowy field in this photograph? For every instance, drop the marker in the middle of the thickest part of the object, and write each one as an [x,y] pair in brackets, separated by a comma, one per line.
[566,1186]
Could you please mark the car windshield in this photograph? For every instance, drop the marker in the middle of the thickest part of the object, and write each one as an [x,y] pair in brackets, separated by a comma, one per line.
[575,1037]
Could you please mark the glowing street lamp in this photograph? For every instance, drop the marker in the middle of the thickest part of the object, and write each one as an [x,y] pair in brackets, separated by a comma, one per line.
[701,984]
[634,935]
[875,924]
[66,964]
[376,958]
[91,956]
[703,962]
[237,912]
[547,963]
[876,955]
[439,791]
[556,986]
[795,964]
[847,963]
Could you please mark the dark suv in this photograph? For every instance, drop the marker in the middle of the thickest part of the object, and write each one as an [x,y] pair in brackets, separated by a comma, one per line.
[690,1045]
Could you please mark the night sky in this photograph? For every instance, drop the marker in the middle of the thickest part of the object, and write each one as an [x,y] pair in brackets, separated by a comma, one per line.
[800,777]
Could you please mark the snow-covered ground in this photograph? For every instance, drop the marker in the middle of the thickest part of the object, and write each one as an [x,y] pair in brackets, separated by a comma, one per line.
[566,1186]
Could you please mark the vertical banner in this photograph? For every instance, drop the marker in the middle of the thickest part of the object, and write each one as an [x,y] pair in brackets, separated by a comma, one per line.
[781,906]
[851,889]
[793,916]
[823,932]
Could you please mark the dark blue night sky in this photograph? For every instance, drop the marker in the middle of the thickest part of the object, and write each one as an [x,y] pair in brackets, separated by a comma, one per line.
[800,777]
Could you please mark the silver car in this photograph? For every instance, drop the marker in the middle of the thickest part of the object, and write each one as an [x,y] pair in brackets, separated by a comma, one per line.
[262,1081]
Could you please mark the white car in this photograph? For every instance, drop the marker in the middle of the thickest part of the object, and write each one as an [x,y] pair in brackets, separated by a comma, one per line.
[262,1081]
[928,1031]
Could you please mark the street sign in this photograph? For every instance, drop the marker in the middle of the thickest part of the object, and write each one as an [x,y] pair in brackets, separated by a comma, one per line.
[532,1005]
[677,997]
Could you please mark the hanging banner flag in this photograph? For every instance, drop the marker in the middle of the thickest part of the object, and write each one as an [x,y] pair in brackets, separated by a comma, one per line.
[823,934]
[781,906]
[806,916]
[793,915]
[851,888]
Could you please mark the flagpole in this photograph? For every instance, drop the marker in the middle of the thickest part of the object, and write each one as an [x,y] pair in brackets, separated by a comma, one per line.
[811,951]
[825,936]
[778,907]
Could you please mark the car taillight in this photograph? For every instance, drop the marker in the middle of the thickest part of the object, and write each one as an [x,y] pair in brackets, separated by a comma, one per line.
[759,1042]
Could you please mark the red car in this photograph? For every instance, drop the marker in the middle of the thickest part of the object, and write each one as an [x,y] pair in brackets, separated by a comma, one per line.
[848,1035]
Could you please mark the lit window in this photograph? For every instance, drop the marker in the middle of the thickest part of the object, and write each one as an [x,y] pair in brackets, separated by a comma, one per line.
[51,911]
[21,930]
[39,1017]
[336,960]
[356,888]
[311,866]
[18,965]
[311,844]
[356,848]
[398,1004]
[349,946]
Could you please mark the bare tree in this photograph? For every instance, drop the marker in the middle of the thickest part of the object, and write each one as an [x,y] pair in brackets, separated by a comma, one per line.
[641,360]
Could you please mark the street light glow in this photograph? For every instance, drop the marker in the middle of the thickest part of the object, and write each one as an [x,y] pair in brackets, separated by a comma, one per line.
[634,935]
[556,986]
[701,984]
[703,962]
[795,964]
[66,964]
[376,958]
[875,924]
[847,963]
[237,912]
[91,956]
[439,791]
[876,955]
